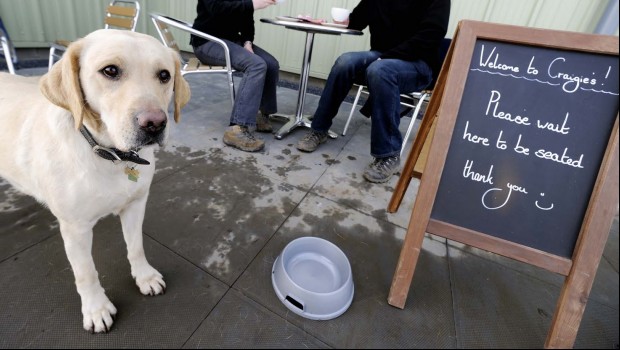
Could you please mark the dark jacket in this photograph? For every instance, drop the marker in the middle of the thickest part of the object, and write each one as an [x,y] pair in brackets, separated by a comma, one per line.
[226,19]
[404,29]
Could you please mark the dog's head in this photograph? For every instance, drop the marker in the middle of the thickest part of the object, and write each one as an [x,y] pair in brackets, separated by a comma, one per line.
[120,84]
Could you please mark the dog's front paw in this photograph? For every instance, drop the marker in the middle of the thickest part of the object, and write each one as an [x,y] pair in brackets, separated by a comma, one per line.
[150,281]
[98,315]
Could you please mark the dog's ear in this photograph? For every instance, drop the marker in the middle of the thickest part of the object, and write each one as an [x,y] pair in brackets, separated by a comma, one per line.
[182,92]
[61,85]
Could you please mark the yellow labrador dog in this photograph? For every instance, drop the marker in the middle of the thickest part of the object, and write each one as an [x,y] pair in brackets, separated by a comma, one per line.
[82,142]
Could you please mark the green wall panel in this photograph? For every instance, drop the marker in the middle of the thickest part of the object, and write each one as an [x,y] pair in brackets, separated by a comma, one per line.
[36,23]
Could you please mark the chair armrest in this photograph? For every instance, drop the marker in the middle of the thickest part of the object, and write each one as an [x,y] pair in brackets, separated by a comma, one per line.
[187,27]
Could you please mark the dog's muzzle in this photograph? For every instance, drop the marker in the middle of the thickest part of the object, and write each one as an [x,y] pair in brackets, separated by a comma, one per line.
[152,122]
[152,125]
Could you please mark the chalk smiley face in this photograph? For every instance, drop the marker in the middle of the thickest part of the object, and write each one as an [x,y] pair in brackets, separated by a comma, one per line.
[543,208]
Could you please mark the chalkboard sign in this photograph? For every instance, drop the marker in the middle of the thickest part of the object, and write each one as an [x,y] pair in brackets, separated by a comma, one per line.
[527,145]
[524,157]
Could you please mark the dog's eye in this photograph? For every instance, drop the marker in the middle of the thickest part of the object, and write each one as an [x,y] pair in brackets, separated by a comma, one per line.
[111,71]
[163,76]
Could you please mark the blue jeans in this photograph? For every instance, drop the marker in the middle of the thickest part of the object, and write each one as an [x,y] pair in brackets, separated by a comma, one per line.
[257,89]
[386,79]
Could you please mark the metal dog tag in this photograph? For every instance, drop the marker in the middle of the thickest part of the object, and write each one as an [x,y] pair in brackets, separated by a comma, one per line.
[132,174]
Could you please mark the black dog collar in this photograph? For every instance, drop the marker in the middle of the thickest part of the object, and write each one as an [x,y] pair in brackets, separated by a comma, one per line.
[112,153]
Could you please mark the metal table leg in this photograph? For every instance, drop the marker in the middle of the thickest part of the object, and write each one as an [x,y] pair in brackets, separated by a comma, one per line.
[293,121]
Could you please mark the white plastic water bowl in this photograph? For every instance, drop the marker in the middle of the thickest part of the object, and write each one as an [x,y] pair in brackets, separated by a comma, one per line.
[313,278]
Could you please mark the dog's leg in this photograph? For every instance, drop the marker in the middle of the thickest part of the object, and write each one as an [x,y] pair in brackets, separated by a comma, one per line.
[149,280]
[96,307]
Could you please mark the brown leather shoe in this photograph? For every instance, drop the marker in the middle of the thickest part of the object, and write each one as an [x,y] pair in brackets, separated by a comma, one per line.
[311,141]
[241,137]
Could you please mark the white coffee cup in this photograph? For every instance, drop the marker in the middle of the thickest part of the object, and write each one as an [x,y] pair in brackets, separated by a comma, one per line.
[340,14]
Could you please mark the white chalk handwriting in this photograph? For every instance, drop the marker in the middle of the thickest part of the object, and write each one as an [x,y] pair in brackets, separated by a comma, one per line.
[495,194]
[556,73]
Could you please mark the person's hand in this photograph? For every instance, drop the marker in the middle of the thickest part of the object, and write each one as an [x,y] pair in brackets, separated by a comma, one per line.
[248,46]
[261,4]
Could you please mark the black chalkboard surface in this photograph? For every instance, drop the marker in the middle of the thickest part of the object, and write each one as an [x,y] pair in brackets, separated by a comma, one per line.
[528,142]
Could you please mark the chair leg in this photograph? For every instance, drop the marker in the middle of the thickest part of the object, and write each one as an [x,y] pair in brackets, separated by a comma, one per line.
[231,86]
[50,62]
[7,55]
[357,97]
[414,116]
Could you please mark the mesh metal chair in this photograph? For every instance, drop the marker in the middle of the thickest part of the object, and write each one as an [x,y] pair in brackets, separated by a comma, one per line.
[412,101]
[163,24]
[120,14]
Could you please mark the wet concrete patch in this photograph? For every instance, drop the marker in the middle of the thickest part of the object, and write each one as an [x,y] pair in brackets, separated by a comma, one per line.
[221,214]
[41,308]
[372,247]
[344,184]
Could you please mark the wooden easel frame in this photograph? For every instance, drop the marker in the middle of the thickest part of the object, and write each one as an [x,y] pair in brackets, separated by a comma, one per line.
[581,269]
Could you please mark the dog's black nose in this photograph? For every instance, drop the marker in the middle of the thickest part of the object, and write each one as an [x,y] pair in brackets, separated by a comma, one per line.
[152,122]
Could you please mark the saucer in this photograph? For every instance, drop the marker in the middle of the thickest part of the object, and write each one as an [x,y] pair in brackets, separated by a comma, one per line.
[335,25]
[288,18]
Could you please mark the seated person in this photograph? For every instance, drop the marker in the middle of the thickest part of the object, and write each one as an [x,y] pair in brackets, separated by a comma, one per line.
[404,53]
[233,22]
